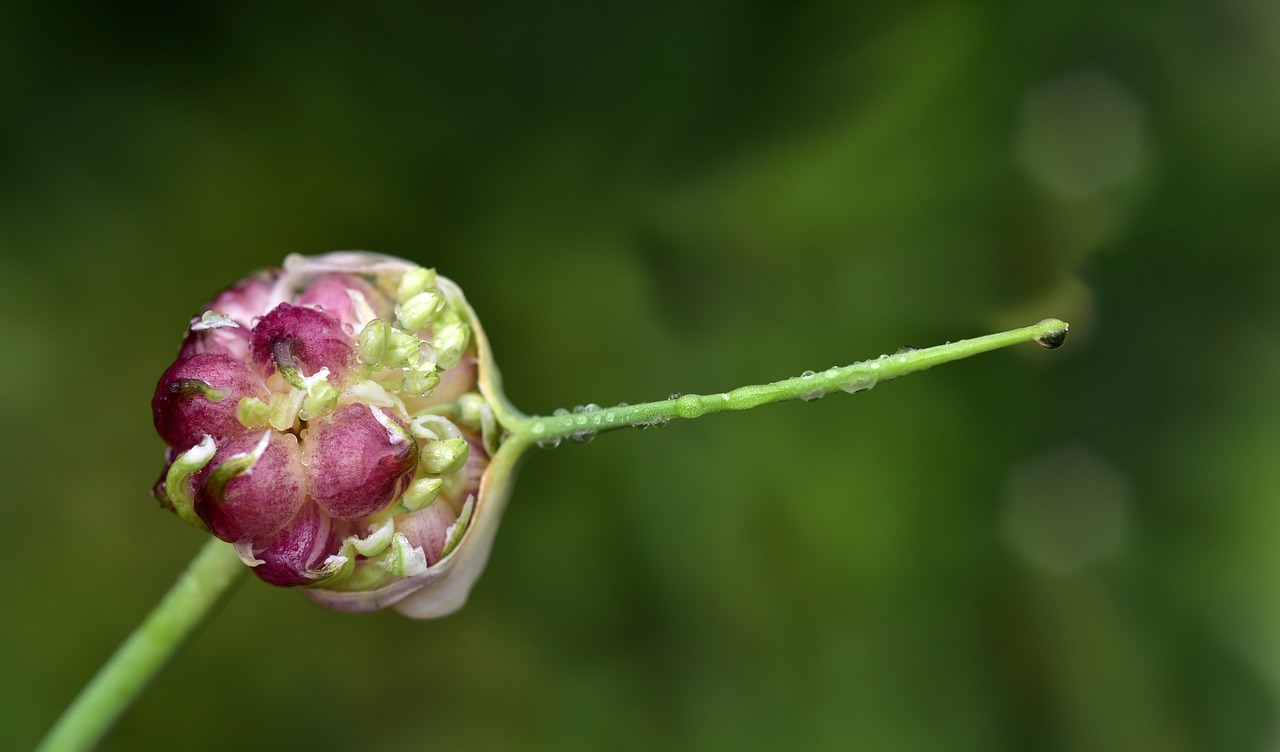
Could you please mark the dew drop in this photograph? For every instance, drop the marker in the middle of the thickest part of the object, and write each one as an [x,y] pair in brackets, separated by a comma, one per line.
[906,349]
[816,394]
[582,437]
[807,375]
[674,396]
[560,412]
[854,387]
[549,443]
[1054,339]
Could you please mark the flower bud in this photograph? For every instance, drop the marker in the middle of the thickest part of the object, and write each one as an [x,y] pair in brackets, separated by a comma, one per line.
[420,493]
[440,457]
[238,307]
[200,395]
[428,529]
[359,459]
[330,419]
[418,310]
[450,342]
[299,342]
[296,555]
[414,282]
[339,296]
[254,485]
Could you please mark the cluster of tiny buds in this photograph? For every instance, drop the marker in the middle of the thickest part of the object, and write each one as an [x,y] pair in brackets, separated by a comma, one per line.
[325,419]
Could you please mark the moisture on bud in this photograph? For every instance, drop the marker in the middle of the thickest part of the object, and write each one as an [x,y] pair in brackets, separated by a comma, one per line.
[306,424]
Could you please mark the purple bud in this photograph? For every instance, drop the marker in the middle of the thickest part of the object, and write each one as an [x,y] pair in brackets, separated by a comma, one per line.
[302,338]
[359,459]
[242,303]
[428,528]
[248,299]
[296,553]
[159,490]
[329,294]
[252,487]
[199,395]
[231,341]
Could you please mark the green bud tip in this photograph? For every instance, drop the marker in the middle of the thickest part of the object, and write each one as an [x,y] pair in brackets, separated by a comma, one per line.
[418,311]
[421,493]
[413,282]
[440,457]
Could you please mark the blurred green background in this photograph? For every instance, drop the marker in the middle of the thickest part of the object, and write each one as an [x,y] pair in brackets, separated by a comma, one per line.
[1068,550]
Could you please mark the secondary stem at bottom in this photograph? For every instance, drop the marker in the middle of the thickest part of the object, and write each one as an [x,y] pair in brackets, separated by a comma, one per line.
[193,598]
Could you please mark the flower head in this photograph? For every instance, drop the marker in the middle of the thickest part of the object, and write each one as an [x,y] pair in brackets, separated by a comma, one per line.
[331,419]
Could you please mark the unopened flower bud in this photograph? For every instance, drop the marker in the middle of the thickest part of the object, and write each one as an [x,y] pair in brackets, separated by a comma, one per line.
[416,312]
[253,412]
[450,342]
[428,529]
[403,350]
[439,457]
[372,345]
[414,282]
[359,459]
[336,296]
[299,342]
[421,493]
[296,555]
[253,486]
[420,382]
[239,305]
[303,427]
[200,395]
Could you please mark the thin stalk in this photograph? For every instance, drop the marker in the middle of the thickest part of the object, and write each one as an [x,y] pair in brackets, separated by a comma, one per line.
[193,598]
[550,430]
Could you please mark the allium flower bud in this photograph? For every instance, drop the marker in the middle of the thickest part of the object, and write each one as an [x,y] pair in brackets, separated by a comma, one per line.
[199,395]
[227,319]
[299,342]
[342,297]
[252,487]
[359,460]
[296,554]
[332,419]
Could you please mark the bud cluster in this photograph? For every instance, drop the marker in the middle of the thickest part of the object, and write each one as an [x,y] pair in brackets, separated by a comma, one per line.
[325,419]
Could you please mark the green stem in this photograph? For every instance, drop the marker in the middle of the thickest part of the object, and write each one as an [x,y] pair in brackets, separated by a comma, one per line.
[550,430]
[194,597]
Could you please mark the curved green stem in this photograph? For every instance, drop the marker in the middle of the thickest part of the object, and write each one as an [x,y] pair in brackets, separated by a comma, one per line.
[549,430]
[192,599]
